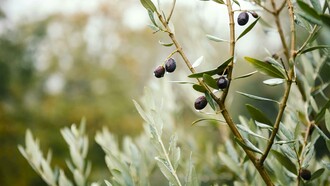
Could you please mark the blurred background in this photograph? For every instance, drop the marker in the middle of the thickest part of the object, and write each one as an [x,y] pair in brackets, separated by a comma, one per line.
[64,60]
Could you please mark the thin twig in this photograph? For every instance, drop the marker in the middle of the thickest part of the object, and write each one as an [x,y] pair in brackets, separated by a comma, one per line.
[280,30]
[282,6]
[172,10]
[171,54]
[262,6]
[289,81]
[311,34]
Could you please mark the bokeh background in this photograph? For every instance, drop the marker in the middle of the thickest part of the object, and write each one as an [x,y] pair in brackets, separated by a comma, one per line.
[64,60]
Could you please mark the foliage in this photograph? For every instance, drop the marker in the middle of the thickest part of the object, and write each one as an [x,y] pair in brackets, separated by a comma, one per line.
[259,150]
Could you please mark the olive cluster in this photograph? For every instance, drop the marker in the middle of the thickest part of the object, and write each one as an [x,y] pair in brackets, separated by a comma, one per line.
[201,102]
[170,66]
[243,17]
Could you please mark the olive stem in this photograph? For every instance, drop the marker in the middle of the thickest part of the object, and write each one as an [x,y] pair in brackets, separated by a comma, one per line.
[171,54]
[280,30]
[171,13]
[262,6]
[288,82]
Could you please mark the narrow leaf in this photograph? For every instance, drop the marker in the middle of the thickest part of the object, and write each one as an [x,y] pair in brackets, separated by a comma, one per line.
[182,82]
[287,133]
[218,70]
[248,29]
[199,88]
[317,174]
[274,81]
[206,119]
[308,11]
[198,61]
[256,97]
[317,6]
[320,114]
[219,1]
[152,18]
[149,5]
[263,126]
[325,137]
[273,62]
[165,44]
[214,38]
[314,48]
[310,19]
[246,75]
[210,100]
[166,170]
[327,120]
[286,162]
[287,150]
[325,19]
[210,81]
[251,146]
[248,131]
[284,142]
[245,146]
[258,115]
[236,2]
[265,68]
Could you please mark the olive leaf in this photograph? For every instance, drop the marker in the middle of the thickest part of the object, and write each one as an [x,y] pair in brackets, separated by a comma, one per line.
[217,70]
[327,120]
[198,61]
[245,75]
[151,16]
[325,19]
[287,133]
[309,13]
[166,169]
[216,39]
[273,82]
[210,100]
[256,97]
[258,115]
[248,29]
[165,44]
[248,145]
[219,1]
[207,119]
[317,6]
[199,88]
[317,174]
[248,131]
[266,68]
[325,137]
[210,81]
[321,113]
[285,161]
[314,48]
[149,5]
